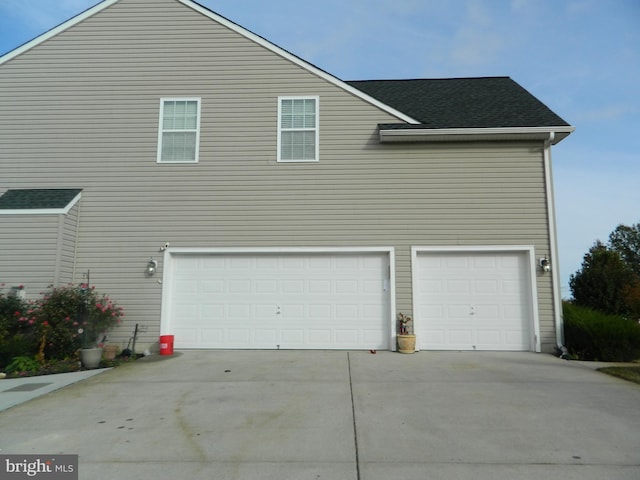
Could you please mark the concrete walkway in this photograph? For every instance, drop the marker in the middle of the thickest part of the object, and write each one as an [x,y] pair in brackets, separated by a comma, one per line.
[338,415]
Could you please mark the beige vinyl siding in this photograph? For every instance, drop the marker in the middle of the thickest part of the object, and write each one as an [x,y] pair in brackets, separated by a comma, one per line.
[67,238]
[28,251]
[84,114]
[38,250]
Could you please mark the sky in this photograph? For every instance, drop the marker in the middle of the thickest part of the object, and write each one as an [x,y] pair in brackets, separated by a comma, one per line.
[579,57]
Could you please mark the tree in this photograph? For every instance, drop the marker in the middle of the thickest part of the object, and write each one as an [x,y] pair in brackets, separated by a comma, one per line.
[605,281]
[626,241]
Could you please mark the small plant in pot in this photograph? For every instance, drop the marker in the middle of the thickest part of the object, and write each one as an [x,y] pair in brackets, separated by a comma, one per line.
[406,337]
[97,314]
[74,317]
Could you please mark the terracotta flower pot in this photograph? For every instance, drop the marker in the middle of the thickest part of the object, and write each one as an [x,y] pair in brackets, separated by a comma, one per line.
[406,343]
[110,352]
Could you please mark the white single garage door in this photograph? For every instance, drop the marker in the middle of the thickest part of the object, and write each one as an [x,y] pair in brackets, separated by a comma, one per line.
[473,301]
[279,300]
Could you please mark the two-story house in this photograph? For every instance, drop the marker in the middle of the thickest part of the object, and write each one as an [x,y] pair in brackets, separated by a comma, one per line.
[227,192]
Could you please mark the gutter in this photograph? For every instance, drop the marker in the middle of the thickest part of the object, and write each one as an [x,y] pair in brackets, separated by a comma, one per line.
[553,240]
[418,133]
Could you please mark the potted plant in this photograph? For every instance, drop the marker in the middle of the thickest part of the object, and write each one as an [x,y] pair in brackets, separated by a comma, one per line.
[110,351]
[96,315]
[406,337]
[71,318]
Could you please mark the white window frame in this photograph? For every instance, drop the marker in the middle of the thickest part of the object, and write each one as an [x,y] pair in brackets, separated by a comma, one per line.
[162,130]
[316,129]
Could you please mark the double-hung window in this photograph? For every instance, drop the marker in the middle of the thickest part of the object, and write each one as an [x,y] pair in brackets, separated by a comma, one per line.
[179,131]
[298,131]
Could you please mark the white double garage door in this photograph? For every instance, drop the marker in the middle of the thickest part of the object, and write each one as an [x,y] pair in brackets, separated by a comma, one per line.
[344,299]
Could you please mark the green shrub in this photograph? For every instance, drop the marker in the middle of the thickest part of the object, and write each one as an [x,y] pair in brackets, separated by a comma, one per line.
[593,335]
[14,346]
[17,336]
[55,326]
[23,366]
[71,317]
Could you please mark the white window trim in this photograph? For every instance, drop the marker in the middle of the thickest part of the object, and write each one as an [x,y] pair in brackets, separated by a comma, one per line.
[317,127]
[161,130]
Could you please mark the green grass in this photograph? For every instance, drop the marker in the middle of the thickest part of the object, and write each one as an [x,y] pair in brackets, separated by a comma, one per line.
[627,373]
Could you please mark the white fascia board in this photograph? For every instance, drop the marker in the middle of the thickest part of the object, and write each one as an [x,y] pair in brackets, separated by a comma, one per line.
[469,134]
[44,211]
[54,31]
[298,61]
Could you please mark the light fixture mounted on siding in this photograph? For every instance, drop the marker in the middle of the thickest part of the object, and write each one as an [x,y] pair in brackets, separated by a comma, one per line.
[545,264]
[152,267]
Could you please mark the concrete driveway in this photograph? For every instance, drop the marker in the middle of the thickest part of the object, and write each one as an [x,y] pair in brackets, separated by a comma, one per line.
[338,415]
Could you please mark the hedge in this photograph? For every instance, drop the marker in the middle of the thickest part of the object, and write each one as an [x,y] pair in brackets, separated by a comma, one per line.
[593,335]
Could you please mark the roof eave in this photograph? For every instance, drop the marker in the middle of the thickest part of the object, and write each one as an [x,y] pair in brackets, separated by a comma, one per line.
[396,135]
[43,211]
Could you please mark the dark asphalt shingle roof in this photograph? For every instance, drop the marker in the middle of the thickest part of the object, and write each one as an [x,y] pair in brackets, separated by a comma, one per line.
[487,102]
[37,198]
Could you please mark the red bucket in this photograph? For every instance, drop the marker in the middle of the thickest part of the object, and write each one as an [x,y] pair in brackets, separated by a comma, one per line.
[166,344]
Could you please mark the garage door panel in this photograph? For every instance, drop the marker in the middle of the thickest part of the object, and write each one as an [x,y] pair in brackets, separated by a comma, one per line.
[490,313]
[292,336]
[319,337]
[457,287]
[239,336]
[461,339]
[346,313]
[280,300]
[319,287]
[347,336]
[189,335]
[486,337]
[486,287]
[484,262]
[266,336]
[211,336]
[347,287]
[473,301]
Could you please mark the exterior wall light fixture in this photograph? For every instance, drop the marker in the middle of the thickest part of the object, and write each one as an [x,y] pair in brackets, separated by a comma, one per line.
[545,264]
[152,267]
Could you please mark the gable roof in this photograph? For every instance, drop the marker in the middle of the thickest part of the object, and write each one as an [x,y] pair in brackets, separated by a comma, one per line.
[232,26]
[39,200]
[461,107]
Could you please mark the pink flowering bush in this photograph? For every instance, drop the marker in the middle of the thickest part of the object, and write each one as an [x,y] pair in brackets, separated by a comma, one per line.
[72,317]
[63,320]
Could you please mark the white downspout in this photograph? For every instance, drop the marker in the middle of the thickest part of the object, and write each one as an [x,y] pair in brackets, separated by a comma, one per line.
[553,239]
